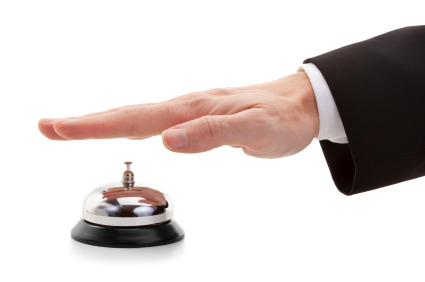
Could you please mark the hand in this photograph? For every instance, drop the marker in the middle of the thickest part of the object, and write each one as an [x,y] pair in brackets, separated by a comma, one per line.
[269,120]
[151,196]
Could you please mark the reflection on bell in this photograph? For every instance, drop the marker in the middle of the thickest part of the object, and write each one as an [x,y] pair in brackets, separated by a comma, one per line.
[127,214]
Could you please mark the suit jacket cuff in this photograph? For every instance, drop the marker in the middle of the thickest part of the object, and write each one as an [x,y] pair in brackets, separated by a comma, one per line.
[331,127]
[378,86]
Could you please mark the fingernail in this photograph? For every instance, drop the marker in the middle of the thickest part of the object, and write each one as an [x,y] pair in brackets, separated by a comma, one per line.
[174,138]
[47,120]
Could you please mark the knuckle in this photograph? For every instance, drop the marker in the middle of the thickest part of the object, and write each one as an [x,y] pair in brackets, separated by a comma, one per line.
[194,96]
[213,126]
[188,97]
[198,102]
[130,110]
[218,92]
[200,97]
[162,109]
[134,111]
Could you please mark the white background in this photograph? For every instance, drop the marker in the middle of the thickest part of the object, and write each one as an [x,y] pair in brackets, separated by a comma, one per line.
[245,219]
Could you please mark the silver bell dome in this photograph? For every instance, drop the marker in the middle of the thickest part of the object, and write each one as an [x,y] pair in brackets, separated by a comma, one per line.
[127,203]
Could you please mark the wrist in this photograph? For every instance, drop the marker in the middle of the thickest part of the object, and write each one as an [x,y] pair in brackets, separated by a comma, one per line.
[308,102]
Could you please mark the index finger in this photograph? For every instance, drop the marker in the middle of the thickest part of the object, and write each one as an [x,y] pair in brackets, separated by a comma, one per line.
[136,122]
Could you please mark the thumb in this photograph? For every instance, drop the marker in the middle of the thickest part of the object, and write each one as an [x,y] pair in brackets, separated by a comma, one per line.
[208,132]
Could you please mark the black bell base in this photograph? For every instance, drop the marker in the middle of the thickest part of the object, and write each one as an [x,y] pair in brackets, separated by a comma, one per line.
[127,237]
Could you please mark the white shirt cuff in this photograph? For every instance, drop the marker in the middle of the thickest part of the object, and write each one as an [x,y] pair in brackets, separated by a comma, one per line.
[330,127]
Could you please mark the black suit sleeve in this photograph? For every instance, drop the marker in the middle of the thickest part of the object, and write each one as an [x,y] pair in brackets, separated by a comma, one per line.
[379,90]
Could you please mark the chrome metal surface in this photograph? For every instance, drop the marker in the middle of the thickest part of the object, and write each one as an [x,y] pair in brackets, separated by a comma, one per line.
[113,204]
[128,177]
